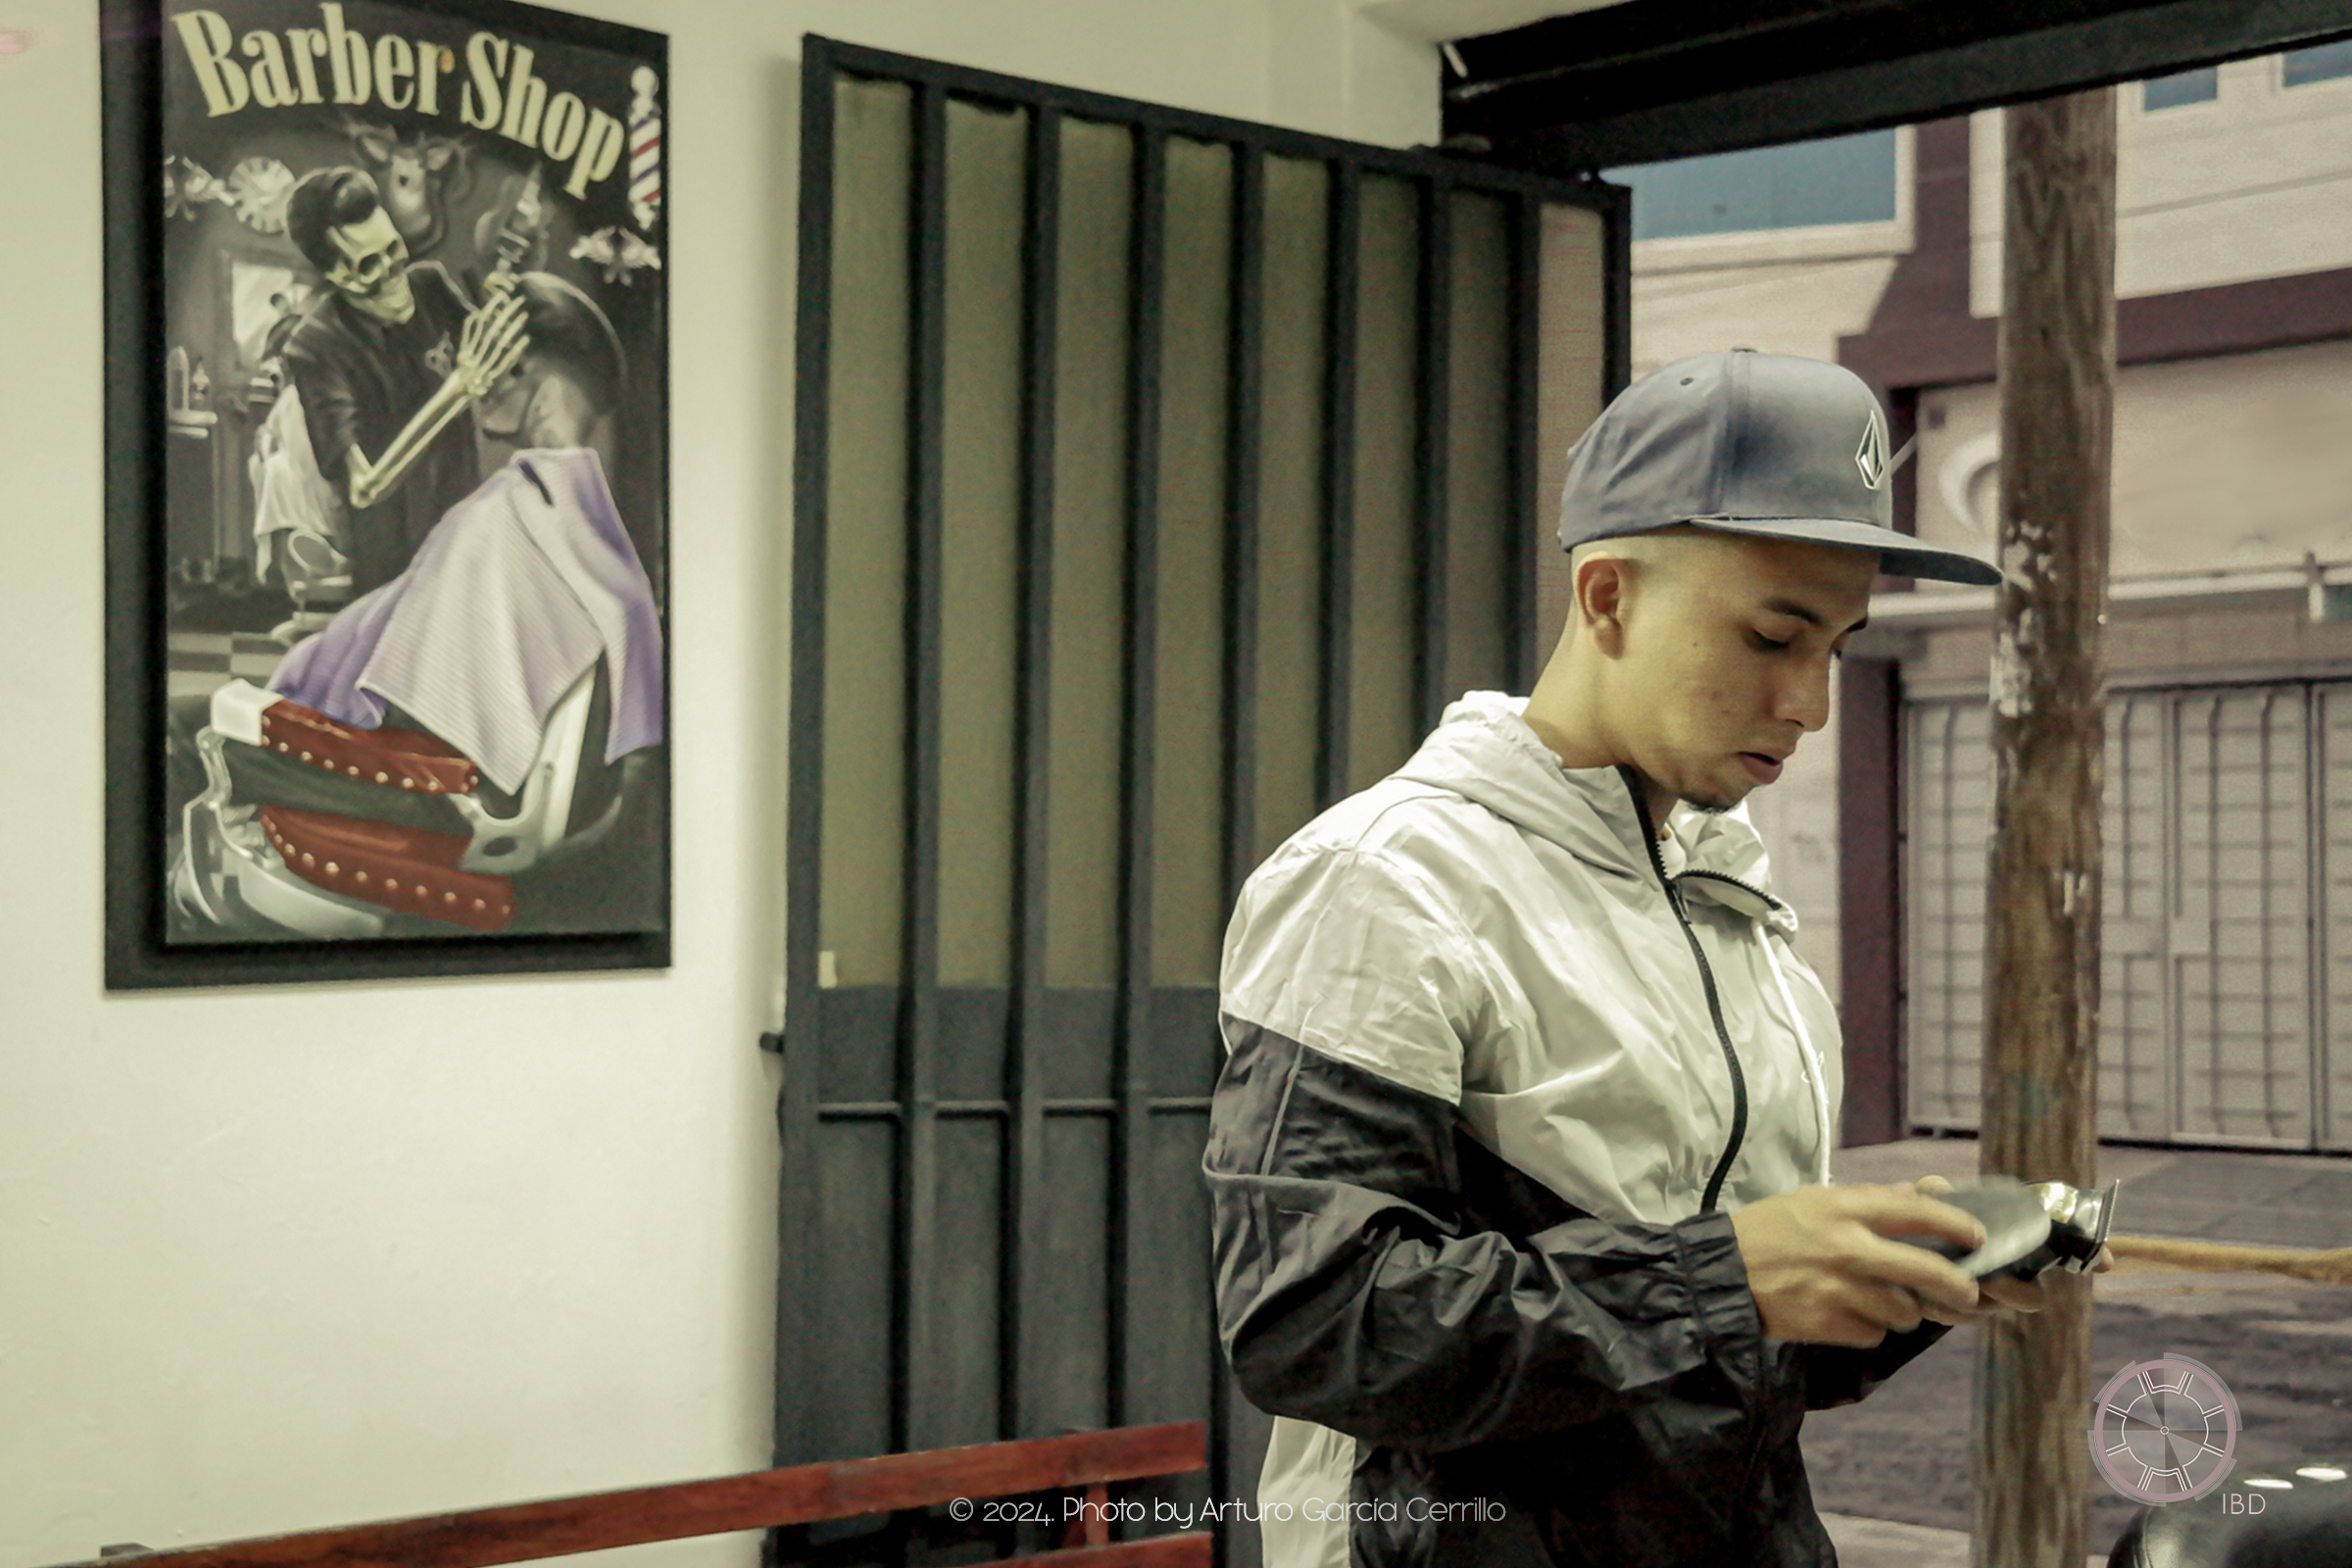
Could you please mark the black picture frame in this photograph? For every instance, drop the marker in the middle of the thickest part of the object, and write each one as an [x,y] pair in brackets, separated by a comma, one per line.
[599,900]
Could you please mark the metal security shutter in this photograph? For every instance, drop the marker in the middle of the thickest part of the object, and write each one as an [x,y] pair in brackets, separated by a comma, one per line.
[1157,477]
[1948,768]
[2241,917]
[2135,1048]
[2331,1106]
[2217,857]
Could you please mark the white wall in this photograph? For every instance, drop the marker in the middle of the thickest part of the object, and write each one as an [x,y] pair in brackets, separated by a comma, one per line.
[2250,185]
[2236,462]
[285,1257]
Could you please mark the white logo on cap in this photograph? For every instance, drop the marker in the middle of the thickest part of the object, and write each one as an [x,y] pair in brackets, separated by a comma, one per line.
[1871,456]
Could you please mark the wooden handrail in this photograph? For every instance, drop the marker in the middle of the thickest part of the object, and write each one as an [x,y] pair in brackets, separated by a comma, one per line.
[526,1532]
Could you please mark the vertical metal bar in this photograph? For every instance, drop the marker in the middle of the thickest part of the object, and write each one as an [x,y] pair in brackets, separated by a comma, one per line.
[1339,477]
[1433,304]
[1025,1207]
[1244,443]
[1524,515]
[1617,302]
[1131,1202]
[2172,856]
[2265,894]
[917,1086]
[799,1279]
[2314,860]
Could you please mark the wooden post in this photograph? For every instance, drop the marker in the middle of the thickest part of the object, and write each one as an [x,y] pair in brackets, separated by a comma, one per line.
[2041,980]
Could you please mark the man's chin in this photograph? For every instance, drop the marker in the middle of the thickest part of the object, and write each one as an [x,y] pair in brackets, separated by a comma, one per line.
[1717,801]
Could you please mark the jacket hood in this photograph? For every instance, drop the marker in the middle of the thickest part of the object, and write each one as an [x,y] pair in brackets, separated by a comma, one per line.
[1483,751]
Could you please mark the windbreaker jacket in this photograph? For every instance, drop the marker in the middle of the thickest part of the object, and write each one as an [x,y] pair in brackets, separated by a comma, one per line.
[1500,1066]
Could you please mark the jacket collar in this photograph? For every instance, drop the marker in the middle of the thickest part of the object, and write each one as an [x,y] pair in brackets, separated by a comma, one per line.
[1483,751]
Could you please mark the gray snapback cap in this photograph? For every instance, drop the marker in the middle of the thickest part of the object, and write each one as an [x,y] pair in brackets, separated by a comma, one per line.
[1750,443]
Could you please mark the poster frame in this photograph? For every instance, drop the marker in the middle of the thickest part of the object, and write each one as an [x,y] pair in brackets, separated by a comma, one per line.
[138,955]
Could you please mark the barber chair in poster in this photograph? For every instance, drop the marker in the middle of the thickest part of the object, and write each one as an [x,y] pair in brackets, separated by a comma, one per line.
[474,747]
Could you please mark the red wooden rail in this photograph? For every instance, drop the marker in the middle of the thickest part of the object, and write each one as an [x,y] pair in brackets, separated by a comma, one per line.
[526,1532]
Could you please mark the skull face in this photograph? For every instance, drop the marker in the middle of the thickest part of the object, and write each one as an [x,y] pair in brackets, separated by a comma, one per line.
[374,270]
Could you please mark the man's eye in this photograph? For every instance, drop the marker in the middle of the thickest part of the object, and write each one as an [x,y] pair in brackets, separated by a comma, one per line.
[1763,644]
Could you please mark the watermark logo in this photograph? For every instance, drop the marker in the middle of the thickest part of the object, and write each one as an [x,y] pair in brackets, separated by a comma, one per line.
[2165,1430]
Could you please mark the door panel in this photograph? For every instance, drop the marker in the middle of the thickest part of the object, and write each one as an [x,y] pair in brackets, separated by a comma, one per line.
[1157,477]
[1383,707]
[1184,580]
[863,836]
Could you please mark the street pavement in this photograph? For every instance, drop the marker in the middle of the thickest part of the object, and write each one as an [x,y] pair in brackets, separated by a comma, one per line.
[1891,1474]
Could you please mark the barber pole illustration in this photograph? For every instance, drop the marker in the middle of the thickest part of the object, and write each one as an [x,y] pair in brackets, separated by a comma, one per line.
[645,149]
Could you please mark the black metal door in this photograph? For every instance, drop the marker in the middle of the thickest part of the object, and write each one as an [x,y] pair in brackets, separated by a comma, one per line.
[1159,477]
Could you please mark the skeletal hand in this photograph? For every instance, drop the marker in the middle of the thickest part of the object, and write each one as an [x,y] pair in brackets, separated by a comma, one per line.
[493,342]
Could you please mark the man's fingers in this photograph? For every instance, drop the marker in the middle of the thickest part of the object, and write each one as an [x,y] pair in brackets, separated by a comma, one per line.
[1931,1278]
[2016,1294]
[1887,1307]
[1905,1211]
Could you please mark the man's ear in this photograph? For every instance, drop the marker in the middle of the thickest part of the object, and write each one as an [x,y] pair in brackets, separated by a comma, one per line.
[1602,584]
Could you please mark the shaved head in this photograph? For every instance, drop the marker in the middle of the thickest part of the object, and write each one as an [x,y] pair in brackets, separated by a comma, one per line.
[1661,558]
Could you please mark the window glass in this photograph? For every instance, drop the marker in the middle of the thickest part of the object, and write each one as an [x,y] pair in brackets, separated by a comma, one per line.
[2199,86]
[1840,180]
[2319,62]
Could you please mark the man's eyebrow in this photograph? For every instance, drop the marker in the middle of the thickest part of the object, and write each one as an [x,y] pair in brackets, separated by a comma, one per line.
[1810,616]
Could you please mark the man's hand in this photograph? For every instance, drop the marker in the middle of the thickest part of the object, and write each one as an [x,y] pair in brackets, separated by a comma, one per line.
[1996,1293]
[493,340]
[1823,1270]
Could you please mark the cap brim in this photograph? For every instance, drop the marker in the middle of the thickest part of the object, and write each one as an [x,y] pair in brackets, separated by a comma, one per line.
[1900,554]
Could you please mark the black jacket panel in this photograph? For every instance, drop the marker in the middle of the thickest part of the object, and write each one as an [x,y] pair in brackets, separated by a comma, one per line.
[1525,1382]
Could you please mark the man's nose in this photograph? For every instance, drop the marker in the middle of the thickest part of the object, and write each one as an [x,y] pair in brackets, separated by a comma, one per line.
[1804,699]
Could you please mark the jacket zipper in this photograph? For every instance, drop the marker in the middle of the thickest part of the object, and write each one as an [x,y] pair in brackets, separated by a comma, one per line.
[1744,886]
[1706,978]
[1745,1530]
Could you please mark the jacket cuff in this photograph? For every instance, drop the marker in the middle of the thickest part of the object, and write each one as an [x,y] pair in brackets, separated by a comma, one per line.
[1721,1304]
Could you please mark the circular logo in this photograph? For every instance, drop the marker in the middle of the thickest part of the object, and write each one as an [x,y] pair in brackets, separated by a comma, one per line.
[2164,1430]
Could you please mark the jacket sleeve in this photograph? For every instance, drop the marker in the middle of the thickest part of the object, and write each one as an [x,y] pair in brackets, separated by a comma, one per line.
[1351,1293]
[328,405]
[1836,1375]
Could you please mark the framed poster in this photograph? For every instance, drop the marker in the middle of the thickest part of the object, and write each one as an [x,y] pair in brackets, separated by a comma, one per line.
[386,491]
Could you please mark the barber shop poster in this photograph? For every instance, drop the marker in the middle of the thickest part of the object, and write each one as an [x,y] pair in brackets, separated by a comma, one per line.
[404,539]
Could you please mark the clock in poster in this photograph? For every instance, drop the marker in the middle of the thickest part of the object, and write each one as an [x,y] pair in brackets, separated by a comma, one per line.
[400,528]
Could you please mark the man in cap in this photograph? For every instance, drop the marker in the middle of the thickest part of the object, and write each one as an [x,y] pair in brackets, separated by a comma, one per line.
[1519,1167]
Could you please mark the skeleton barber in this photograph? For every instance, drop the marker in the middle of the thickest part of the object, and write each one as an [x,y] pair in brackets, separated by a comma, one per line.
[1520,1162]
[383,366]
